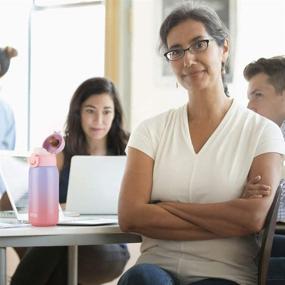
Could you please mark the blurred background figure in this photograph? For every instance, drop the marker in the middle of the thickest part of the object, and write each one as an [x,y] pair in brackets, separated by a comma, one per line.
[266,96]
[7,120]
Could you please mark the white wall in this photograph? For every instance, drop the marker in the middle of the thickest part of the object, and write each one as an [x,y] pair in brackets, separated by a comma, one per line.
[150,92]
[64,52]
[260,32]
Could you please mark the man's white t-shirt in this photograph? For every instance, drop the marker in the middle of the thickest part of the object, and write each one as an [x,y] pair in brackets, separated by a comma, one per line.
[217,173]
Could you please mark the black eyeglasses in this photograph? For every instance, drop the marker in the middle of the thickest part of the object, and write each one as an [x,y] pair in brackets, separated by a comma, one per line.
[196,47]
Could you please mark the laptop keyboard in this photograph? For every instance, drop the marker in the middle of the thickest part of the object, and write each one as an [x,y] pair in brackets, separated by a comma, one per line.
[7,214]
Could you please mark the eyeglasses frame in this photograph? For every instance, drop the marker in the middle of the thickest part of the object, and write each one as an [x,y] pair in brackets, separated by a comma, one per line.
[188,49]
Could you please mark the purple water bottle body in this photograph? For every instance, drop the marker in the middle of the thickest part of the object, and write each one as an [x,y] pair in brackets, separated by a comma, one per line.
[43,195]
[44,182]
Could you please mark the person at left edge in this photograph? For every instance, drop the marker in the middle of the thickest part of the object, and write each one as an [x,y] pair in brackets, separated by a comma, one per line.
[7,120]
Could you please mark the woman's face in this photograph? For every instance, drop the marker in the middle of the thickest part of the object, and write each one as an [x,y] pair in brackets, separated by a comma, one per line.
[201,70]
[97,115]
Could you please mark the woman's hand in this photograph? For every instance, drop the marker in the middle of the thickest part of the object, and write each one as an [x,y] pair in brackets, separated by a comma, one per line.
[254,189]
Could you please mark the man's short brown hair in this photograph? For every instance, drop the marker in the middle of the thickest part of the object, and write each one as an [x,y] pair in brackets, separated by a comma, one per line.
[274,67]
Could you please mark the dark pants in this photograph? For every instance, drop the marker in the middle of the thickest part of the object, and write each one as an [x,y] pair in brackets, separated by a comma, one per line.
[276,270]
[42,265]
[144,274]
[150,274]
[48,265]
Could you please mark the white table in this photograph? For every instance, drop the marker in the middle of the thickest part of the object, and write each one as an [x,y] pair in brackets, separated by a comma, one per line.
[71,236]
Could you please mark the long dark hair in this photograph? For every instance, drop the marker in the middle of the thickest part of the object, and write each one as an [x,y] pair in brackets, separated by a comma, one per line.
[76,143]
[200,13]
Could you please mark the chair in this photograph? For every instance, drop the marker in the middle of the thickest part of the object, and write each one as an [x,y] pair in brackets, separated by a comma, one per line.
[267,238]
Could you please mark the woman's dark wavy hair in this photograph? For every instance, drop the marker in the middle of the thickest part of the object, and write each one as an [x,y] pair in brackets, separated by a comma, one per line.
[76,143]
[200,13]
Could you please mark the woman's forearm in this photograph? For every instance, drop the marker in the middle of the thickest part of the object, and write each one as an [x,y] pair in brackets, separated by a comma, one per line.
[234,218]
[155,222]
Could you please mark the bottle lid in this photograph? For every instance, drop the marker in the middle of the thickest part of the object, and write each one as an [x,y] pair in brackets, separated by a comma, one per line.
[54,143]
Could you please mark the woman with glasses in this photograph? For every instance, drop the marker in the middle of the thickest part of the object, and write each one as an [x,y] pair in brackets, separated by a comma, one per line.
[187,168]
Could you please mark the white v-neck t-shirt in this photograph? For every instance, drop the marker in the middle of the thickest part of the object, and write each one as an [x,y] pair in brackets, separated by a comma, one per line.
[217,173]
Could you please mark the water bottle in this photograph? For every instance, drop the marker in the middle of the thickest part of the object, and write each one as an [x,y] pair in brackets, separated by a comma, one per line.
[44,182]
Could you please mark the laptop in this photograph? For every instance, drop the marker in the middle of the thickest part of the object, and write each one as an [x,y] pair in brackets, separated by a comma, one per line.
[94,184]
[14,172]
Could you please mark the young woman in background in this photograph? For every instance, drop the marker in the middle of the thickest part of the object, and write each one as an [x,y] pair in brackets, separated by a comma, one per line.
[94,126]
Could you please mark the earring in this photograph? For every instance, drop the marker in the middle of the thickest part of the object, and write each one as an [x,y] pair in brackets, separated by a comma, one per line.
[223,68]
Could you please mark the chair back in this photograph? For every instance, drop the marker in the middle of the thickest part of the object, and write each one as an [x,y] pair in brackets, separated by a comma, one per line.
[267,238]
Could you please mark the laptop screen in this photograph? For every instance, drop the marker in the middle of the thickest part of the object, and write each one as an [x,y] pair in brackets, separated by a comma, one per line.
[94,184]
[14,171]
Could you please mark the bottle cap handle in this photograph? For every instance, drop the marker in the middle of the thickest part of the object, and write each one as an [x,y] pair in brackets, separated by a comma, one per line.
[54,143]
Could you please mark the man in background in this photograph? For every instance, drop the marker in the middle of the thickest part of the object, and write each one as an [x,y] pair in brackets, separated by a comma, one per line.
[266,95]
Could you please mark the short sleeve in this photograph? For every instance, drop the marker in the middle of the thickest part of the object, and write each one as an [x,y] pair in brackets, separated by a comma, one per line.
[147,136]
[271,140]
[141,139]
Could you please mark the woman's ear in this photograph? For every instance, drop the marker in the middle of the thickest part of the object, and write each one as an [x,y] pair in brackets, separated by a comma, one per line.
[226,51]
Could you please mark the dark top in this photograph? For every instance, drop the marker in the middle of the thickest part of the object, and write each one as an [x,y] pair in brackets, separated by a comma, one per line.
[63,183]
[64,178]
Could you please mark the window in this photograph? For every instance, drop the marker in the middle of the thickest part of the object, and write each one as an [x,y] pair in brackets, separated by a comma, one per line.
[59,46]
[67,47]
